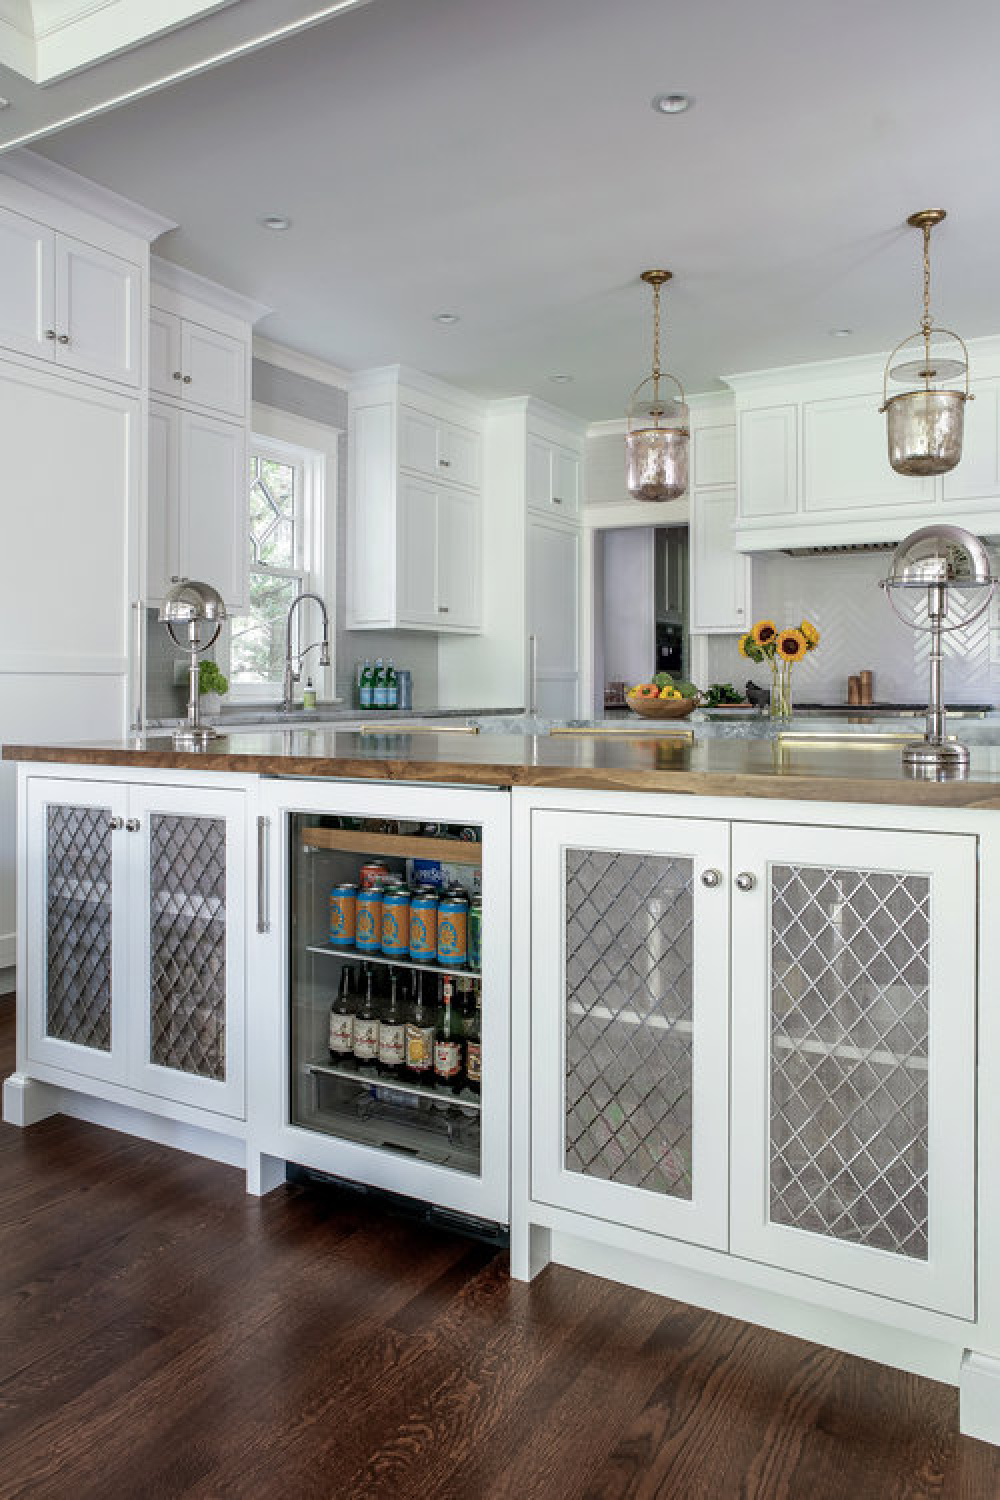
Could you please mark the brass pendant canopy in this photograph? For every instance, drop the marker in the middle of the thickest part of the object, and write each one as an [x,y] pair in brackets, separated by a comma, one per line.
[658,431]
[925,426]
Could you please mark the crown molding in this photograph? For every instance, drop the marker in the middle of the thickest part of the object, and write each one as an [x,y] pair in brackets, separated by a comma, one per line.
[189,284]
[301,364]
[69,187]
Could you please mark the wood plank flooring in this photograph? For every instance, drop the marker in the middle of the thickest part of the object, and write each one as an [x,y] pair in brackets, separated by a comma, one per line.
[162,1334]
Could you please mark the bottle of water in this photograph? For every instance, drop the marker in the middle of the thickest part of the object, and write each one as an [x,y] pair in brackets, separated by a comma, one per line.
[366,692]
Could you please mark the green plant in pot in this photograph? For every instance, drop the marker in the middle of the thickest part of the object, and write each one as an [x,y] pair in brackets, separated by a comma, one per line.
[211,686]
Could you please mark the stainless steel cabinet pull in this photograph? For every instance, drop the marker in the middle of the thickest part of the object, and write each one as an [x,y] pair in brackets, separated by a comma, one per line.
[745,881]
[263,875]
[116,824]
[187,379]
[711,878]
[177,374]
[557,500]
[532,674]
[131,825]
[50,333]
[442,609]
[64,338]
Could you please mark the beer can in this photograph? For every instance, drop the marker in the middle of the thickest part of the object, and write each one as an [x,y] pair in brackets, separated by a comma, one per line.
[370,874]
[343,902]
[396,921]
[453,926]
[369,920]
[476,933]
[423,926]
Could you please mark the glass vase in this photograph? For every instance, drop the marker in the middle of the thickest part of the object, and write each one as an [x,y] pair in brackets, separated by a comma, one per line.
[781,689]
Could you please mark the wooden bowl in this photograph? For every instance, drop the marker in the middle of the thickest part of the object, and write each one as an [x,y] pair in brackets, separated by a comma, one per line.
[661,708]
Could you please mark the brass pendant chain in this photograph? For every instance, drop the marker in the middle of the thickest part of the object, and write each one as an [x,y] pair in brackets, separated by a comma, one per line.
[926,324]
[656,342]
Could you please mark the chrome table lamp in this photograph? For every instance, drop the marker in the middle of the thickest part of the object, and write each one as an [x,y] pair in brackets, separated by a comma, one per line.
[190,603]
[943,560]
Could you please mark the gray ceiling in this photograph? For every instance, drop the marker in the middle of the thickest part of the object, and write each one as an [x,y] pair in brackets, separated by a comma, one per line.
[501,160]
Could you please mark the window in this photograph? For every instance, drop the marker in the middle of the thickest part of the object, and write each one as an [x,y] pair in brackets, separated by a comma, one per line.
[286,555]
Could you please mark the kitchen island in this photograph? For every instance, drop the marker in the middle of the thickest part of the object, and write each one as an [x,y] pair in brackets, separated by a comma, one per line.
[739,1043]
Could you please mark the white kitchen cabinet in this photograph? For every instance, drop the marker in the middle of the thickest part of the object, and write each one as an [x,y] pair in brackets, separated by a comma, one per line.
[197,365]
[135,973]
[768,452]
[68,302]
[553,478]
[849,973]
[197,503]
[629,992]
[438,449]
[553,590]
[414,533]
[720,576]
[977,474]
[845,465]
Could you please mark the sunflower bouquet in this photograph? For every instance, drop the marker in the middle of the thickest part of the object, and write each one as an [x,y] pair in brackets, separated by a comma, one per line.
[781,649]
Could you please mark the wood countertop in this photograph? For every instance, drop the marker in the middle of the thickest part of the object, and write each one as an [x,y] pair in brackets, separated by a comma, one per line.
[810,771]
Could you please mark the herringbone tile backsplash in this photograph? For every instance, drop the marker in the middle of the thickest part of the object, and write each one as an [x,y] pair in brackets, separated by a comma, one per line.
[841,596]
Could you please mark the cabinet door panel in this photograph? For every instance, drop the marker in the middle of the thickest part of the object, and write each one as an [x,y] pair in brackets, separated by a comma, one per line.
[459,564]
[76,978]
[629,987]
[98,309]
[713,455]
[417,559]
[213,505]
[419,442]
[539,476]
[854,1023]
[165,374]
[565,481]
[213,369]
[553,596]
[977,475]
[27,285]
[461,454]
[163,551]
[768,462]
[844,460]
[720,576]
[189,1046]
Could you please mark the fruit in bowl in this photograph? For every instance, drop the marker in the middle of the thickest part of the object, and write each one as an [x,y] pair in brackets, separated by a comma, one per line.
[662,698]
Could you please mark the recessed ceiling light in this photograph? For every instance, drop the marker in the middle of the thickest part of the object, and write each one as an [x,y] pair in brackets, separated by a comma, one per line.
[561,379]
[671,104]
[841,333]
[4,103]
[447,318]
[274,221]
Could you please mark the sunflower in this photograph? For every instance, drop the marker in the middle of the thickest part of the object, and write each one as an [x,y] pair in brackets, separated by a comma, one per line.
[792,645]
[748,647]
[764,632]
[811,634]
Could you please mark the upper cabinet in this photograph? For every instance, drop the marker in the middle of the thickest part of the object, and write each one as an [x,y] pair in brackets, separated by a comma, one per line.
[720,573]
[554,473]
[68,302]
[199,430]
[414,530]
[813,467]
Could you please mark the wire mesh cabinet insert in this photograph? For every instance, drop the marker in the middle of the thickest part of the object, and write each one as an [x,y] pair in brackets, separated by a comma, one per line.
[629,961]
[853,1151]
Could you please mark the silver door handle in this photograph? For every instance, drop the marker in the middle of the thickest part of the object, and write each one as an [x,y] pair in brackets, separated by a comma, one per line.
[532,674]
[131,825]
[711,878]
[187,379]
[263,875]
[442,609]
[50,333]
[139,667]
[116,824]
[745,881]
[557,500]
[177,374]
[445,463]
[63,338]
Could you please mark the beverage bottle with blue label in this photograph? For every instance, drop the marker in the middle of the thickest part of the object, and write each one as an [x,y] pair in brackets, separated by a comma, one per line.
[391,686]
[378,685]
[366,690]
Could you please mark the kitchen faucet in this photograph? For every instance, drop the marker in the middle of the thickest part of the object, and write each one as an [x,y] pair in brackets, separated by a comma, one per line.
[292,672]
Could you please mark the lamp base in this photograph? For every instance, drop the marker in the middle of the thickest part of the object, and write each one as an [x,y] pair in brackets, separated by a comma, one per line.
[188,737]
[936,761]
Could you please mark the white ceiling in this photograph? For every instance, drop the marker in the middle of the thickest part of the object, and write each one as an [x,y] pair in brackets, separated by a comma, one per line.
[501,161]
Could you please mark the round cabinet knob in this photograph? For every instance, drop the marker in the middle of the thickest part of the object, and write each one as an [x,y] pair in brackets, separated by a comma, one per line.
[115,824]
[187,379]
[745,881]
[64,338]
[711,878]
[50,333]
[445,463]
[132,825]
[177,374]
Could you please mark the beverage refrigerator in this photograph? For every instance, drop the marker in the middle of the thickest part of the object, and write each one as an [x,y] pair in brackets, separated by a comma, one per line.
[416,1122]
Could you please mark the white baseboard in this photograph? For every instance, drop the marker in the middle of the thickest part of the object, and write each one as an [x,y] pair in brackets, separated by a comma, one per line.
[979,1397]
[8,950]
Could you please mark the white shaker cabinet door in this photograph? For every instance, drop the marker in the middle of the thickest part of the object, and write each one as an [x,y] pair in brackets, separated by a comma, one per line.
[629,991]
[213,369]
[459,566]
[212,505]
[98,312]
[165,374]
[553,617]
[417,560]
[854,1076]
[720,576]
[27,285]
[162,526]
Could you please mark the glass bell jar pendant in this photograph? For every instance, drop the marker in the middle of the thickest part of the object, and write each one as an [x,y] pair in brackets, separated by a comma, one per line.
[925,425]
[658,425]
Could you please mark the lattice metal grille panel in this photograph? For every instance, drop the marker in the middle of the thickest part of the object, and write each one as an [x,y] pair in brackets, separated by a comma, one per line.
[188,944]
[850,975]
[629,992]
[78,926]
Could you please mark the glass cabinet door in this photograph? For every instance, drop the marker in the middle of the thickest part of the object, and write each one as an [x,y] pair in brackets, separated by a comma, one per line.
[854,1058]
[190,1046]
[75,977]
[629,944]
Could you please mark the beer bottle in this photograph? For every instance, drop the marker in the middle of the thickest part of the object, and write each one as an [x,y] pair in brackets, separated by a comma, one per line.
[420,1038]
[366,689]
[366,1026]
[342,1018]
[447,1043]
[474,1047]
[392,1031]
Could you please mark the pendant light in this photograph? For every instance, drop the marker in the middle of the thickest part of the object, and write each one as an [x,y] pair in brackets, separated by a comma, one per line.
[925,426]
[658,430]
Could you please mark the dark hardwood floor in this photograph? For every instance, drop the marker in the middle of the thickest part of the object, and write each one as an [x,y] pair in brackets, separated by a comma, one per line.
[162,1334]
